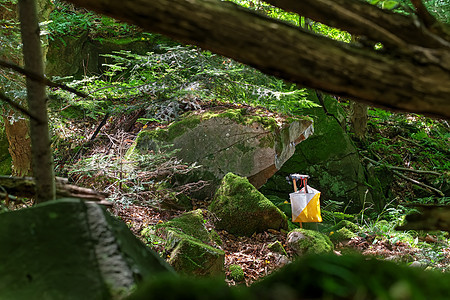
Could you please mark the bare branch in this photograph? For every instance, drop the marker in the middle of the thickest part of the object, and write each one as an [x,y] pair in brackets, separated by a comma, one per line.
[435,190]
[40,79]
[19,107]
[361,18]
[403,169]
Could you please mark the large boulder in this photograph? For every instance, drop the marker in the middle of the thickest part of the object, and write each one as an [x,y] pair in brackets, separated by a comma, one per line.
[243,141]
[241,209]
[191,248]
[332,161]
[68,249]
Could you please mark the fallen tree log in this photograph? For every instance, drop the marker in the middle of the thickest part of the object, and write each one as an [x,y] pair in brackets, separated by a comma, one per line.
[26,187]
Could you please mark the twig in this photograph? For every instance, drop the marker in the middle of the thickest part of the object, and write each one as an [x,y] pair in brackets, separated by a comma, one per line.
[411,141]
[404,169]
[19,107]
[440,193]
[97,130]
[39,78]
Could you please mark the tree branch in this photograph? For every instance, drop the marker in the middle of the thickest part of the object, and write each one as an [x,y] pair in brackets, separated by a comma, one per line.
[416,81]
[35,77]
[403,169]
[424,15]
[435,190]
[360,18]
[19,107]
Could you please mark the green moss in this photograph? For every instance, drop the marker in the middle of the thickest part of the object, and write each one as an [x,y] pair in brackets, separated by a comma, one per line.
[267,142]
[277,247]
[344,224]
[178,128]
[312,242]
[120,41]
[341,235]
[241,209]
[216,237]
[191,224]
[236,273]
[192,257]
[241,116]
[174,130]
[282,204]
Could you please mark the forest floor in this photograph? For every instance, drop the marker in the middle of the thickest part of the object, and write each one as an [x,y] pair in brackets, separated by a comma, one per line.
[426,250]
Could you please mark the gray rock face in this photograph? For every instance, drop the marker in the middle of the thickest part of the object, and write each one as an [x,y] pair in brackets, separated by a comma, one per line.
[252,146]
[67,249]
[333,162]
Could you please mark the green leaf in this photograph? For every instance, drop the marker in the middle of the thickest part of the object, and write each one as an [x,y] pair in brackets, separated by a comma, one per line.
[389,4]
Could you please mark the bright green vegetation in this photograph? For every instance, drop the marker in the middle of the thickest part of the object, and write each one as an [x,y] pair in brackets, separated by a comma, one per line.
[65,20]
[236,273]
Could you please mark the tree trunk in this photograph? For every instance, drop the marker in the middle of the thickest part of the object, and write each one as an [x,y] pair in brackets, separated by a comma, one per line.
[42,160]
[358,119]
[413,75]
[17,133]
[16,126]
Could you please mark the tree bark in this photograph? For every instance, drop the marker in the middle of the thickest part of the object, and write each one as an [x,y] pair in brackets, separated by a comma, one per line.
[358,119]
[17,133]
[42,160]
[412,78]
[16,125]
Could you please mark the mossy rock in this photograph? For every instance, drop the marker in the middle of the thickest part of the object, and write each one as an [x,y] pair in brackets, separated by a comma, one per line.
[341,235]
[277,247]
[236,273]
[304,241]
[221,141]
[241,209]
[189,288]
[345,224]
[191,257]
[69,249]
[283,204]
[190,223]
[193,249]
